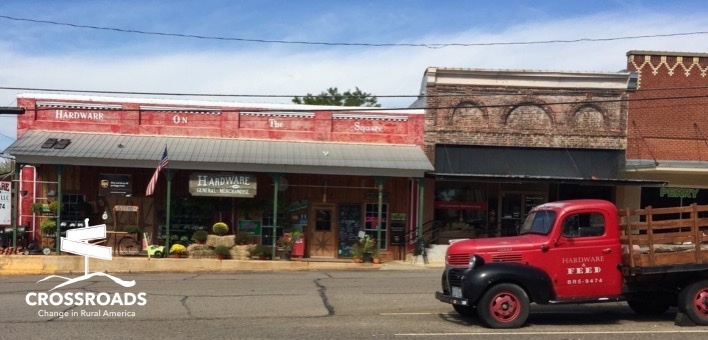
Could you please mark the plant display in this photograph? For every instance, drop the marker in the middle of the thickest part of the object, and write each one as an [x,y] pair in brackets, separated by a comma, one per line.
[220,228]
[178,249]
[38,208]
[200,236]
[295,235]
[284,243]
[260,250]
[48,227]
[222,251]
[242,238]
[53,206]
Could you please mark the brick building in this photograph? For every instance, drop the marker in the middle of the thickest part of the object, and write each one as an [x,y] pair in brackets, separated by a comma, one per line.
[330,172]
[667,127]
[503,141]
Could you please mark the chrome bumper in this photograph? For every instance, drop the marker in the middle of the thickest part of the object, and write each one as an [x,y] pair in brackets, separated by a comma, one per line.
[451,300]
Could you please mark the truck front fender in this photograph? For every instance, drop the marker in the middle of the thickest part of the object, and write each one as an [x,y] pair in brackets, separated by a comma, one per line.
[535,281]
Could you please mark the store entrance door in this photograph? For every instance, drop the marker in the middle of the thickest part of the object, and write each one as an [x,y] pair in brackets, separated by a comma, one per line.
[323,232]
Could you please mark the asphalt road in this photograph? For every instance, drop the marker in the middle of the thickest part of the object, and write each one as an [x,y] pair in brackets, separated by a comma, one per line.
[389,304]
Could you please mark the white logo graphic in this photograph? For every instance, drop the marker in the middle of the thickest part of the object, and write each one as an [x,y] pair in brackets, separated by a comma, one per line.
[77,242]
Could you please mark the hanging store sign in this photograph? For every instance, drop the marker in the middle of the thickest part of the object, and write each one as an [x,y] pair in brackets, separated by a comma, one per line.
[222,184]
[115,185]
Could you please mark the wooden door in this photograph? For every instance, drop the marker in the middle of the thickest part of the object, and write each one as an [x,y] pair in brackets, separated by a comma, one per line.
[323,233]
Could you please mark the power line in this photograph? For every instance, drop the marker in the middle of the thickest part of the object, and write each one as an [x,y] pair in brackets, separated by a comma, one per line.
[298,42]
[446,95]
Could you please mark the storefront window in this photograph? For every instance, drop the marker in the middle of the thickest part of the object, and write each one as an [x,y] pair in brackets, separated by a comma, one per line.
[372,220]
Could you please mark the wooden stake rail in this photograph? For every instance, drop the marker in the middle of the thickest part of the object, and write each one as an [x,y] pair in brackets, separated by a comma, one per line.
[664,236]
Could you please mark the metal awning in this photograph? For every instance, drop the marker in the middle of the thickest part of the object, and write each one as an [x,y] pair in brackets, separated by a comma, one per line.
[515,164]
[220,154]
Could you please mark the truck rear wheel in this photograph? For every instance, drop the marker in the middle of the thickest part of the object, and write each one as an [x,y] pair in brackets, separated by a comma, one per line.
[693,301]
[505,305]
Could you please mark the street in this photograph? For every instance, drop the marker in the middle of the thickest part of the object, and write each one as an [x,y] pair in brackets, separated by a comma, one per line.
[392,304]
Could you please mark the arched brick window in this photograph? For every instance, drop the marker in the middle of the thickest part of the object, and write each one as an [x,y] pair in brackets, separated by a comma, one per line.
[469,114]
[588,118]
[528,117]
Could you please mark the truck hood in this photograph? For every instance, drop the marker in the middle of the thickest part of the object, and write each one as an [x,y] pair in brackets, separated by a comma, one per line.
[459,252]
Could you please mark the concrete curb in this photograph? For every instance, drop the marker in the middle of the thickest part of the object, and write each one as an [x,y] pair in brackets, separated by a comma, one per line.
[70,264]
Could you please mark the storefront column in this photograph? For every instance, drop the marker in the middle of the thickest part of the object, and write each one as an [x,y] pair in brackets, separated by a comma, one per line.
[421,200]
[380,181]
[276,188]
[57,239]
[15,198]
[169,173]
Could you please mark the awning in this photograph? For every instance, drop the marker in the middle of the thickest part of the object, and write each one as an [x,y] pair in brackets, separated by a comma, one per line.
[512,164]
[220,154]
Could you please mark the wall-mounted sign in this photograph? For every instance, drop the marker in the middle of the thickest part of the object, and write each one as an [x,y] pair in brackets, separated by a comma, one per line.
[222,184]
[5,202]
[115,185]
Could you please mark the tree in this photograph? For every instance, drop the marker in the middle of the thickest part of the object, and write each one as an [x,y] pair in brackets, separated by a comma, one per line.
[332,97]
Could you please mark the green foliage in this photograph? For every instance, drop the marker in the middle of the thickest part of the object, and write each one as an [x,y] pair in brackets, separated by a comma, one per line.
[332,97]
[285,244]
[200,235]
[48,227]
[260,250]
[222,250]
[242,238]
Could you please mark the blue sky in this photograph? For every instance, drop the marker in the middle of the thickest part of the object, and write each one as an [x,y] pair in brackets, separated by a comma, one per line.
[41,55]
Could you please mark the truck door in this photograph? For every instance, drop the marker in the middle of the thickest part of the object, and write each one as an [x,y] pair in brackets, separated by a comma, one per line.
[586,258]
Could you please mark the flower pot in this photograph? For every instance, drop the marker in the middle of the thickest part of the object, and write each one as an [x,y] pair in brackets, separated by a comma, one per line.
[376,260]
[177,255]
[220,256]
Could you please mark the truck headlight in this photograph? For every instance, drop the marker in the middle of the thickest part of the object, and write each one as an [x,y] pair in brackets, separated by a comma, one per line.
[475,261]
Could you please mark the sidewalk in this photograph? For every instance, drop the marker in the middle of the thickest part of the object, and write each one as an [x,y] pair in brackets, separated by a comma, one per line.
[71,264]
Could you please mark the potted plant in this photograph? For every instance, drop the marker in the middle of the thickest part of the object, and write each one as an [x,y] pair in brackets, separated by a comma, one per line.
[48,227]
[357,252]
[220,228]
[177,250]
[285,247]
[367,245]
[200,236]
[222,251]
[242,238]
[260,251]
[376,255]
[38,208]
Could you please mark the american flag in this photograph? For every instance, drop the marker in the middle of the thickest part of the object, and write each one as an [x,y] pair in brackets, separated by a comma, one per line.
[153,181]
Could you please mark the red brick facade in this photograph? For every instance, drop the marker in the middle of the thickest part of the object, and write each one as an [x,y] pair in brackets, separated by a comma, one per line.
[668,114]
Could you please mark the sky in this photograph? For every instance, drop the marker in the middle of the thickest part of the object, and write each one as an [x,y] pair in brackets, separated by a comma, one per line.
[268,51]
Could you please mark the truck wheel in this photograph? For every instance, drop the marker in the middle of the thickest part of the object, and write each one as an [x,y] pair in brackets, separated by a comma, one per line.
[505,305]
[648,307]
[693,301]
[466,311]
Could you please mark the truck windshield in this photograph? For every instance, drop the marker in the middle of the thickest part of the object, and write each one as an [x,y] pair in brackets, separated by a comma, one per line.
[539,222]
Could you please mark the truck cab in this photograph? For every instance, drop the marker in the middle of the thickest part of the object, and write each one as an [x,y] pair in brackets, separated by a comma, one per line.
[566,252]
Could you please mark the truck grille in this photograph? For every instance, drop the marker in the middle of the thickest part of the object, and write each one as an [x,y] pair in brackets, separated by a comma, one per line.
[458,259]
[454,277]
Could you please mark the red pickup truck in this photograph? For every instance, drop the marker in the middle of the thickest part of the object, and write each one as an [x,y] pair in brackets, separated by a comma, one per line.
[584,251]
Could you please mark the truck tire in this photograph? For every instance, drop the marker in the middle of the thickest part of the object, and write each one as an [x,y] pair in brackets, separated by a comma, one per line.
[466,311]
[693,301]
[649,307]
[504,305]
